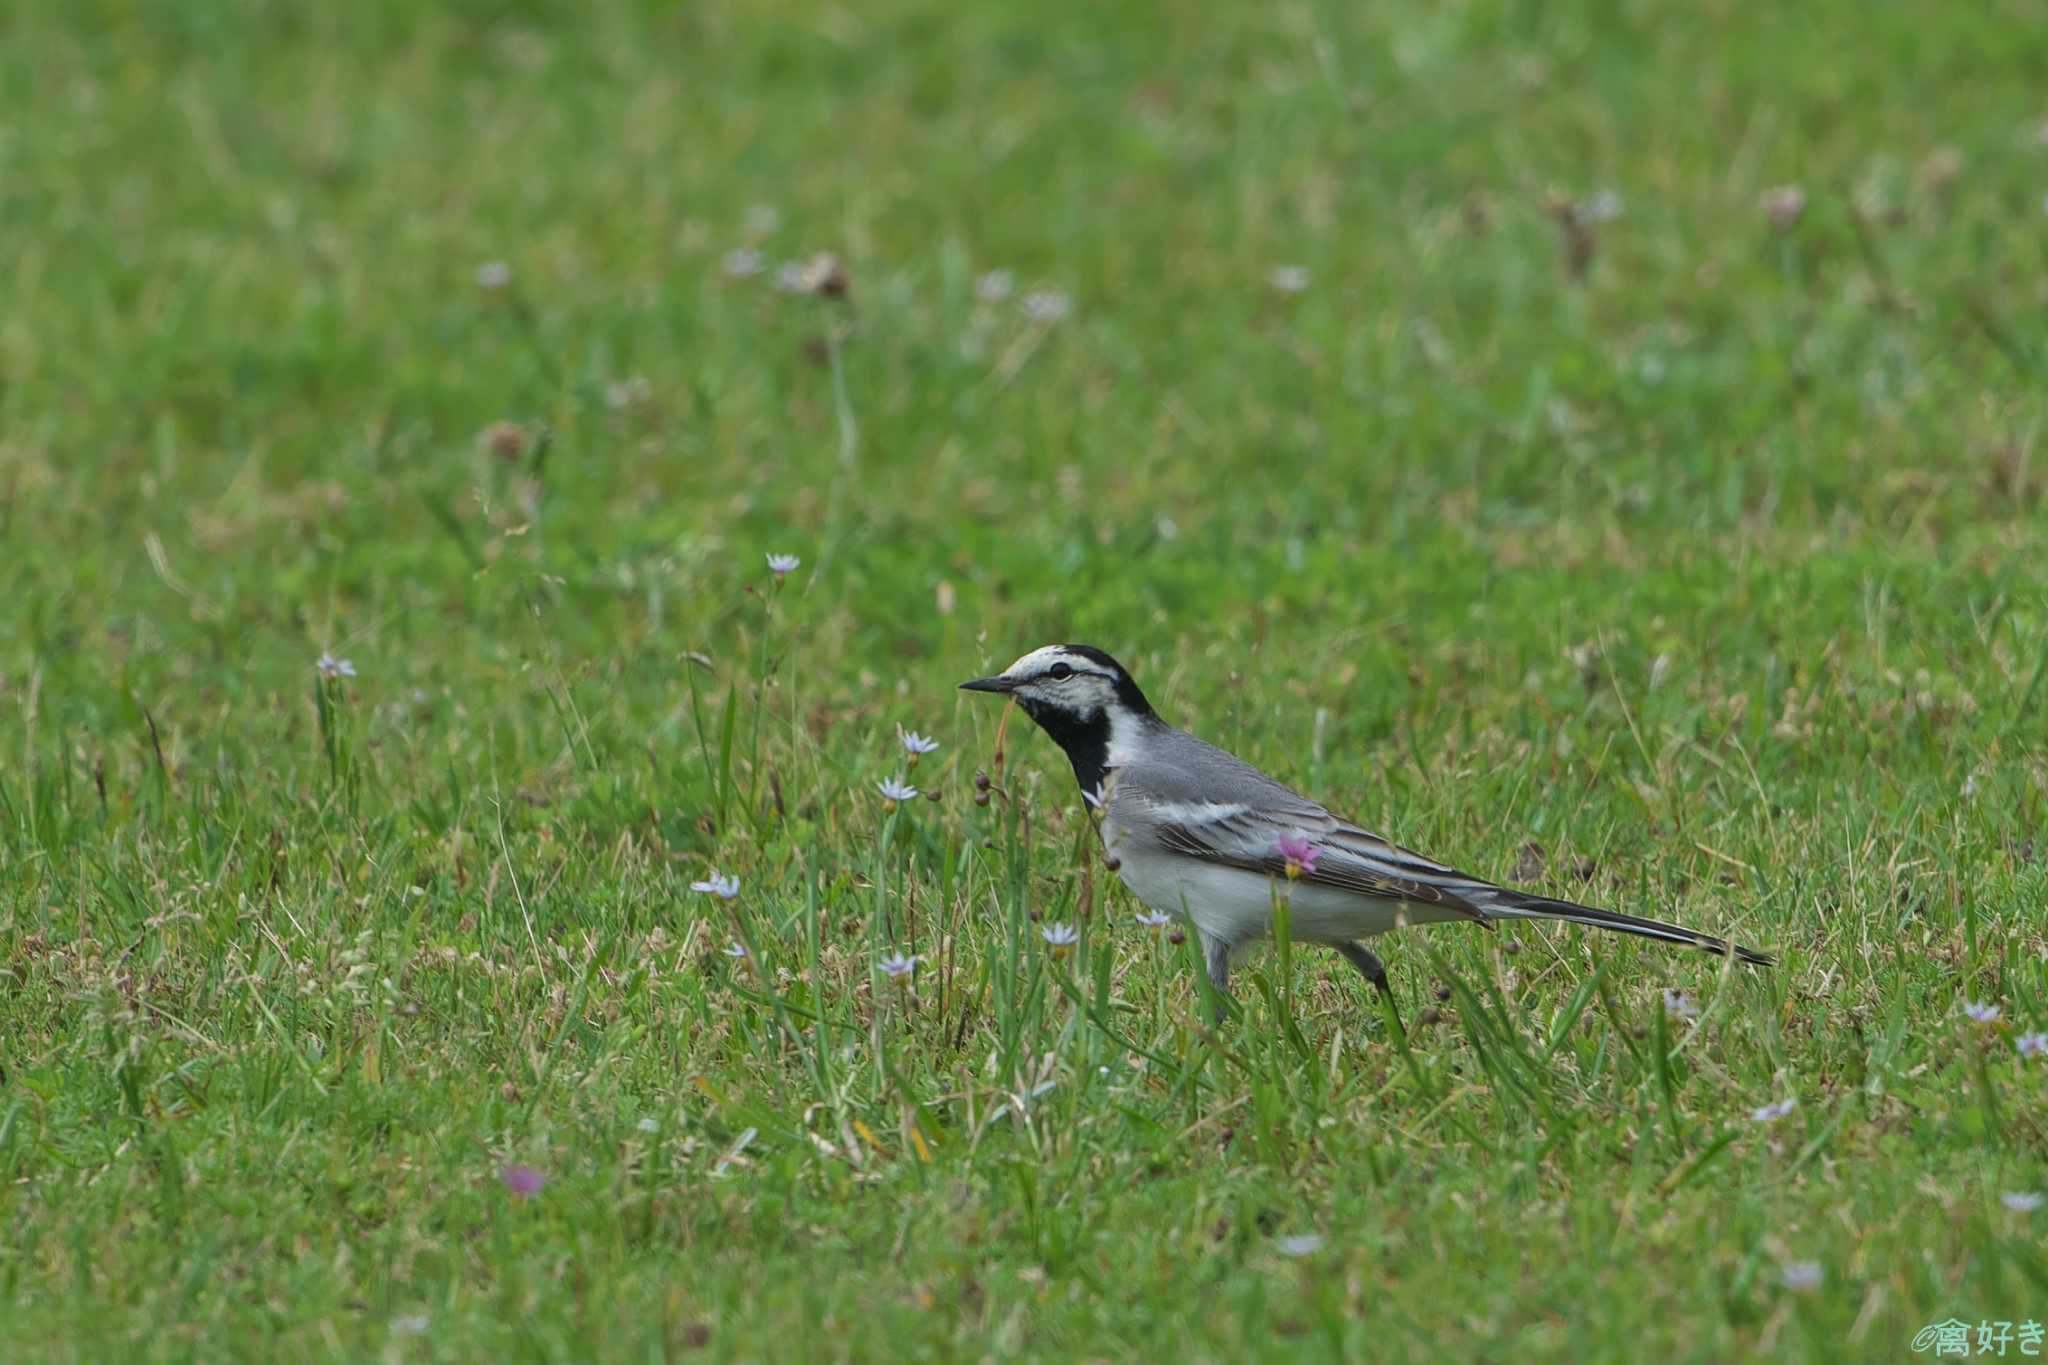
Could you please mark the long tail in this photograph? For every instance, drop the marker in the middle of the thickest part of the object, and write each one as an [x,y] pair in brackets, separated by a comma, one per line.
[1509,904]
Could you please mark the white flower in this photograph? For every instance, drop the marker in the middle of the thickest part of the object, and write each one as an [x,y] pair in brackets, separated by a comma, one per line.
[1288,279]
[493,275]
[1046,306]
[331,667]
[736,950]
[897,967]
[1154,920]
[894,791]
[917,745]
[742,262]
[649,1125]
[1981,1013]
[1603,207]
[2020,1201]
[1679,1005]
[995,286]
[1302,1244]
[1060,936]
[1801,1277]
[782,566]
[1775,1110]
[2032,1044]
[725,888]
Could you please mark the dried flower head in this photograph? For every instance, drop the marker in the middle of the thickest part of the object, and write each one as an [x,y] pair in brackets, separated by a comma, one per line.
[825,275]
[1784,206]
[506,440]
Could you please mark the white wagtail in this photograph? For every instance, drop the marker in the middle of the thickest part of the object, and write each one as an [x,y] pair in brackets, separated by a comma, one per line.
[1200,833]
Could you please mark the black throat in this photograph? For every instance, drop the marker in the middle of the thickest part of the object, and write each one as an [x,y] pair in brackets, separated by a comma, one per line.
[1084,738]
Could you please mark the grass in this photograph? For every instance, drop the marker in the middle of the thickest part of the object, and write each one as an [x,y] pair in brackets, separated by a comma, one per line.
[1674,561]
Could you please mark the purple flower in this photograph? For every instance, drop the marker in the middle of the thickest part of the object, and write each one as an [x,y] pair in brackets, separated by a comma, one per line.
[894,792]
[1155,920]
[331,667]
[917,745]
[1775,1110]
[782,566]
[2032,1044]
[1680,1006]
[2020,1201]
[523,1181]
[1061,938]
[897,967]
[1300,853]
[1980,1013]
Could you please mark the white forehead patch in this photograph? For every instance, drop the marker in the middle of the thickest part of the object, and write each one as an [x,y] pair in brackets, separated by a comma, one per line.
[1042,658]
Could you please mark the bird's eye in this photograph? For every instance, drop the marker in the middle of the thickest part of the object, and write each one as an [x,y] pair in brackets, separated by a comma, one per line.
[1059,672]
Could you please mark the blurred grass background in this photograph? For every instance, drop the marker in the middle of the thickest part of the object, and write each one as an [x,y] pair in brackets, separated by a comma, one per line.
[1596,443]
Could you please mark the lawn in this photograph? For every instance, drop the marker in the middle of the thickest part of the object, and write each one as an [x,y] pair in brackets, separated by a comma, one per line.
[1598,444]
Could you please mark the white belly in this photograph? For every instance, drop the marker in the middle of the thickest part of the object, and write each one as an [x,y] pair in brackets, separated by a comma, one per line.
[1236,906]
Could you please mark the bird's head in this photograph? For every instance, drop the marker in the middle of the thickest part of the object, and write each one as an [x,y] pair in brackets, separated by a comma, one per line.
[1068,688]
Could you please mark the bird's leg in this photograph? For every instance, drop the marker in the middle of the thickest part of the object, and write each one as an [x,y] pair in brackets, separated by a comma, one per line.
[1216,953]
[1372,969]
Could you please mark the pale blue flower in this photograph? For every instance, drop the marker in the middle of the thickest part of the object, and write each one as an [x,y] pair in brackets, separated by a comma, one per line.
[725,888]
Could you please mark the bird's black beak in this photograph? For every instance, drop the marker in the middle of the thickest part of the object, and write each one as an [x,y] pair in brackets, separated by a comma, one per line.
[988,685]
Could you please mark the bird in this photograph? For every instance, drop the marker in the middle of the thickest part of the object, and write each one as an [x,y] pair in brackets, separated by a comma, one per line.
[1196,832]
